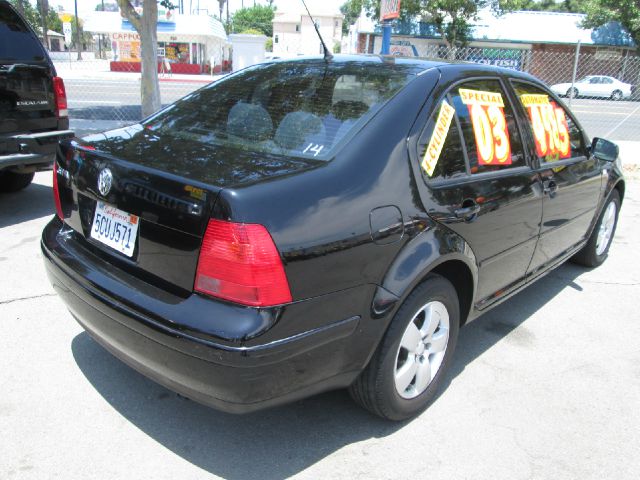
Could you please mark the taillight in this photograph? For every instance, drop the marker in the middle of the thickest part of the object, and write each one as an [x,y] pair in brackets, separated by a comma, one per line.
[239,262]
[60,95]
[56,191]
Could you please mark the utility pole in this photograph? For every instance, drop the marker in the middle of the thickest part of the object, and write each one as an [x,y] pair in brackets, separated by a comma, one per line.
[78,46]
[44,10]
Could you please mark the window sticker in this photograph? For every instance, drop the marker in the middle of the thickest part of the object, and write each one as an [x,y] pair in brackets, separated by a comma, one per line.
[549,125]
[443,123]
[486,110]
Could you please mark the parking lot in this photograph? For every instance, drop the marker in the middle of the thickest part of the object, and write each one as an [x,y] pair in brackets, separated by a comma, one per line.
[545,386]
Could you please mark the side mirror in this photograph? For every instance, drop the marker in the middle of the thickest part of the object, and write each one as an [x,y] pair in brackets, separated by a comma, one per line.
[604,150]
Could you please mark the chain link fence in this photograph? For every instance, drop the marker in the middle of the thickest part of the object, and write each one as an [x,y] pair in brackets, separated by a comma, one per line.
[599,87]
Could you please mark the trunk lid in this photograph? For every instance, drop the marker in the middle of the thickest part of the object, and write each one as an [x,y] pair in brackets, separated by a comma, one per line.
[171,186]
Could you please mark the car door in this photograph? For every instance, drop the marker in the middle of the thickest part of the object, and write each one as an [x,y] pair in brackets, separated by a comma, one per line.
[607,86]
[571,178]
[479,183]
[591,88]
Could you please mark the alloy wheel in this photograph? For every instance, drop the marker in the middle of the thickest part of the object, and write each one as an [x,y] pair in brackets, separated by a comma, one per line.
[422,349]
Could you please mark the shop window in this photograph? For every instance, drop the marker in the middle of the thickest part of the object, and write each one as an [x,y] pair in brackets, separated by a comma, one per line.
[275,40]
[298,27]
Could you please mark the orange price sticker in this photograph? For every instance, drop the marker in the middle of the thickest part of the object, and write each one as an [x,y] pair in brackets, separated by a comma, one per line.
[549,125]
[486,110]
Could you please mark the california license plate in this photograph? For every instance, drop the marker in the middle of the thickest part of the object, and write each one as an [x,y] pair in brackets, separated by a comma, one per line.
[115,228]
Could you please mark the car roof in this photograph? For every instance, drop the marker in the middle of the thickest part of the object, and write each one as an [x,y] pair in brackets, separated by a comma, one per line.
[419,63]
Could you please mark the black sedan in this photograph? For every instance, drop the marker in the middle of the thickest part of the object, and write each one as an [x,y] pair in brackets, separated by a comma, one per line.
[316,224]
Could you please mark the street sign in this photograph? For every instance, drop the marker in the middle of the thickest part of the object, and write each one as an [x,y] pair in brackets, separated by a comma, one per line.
[389,9]
[66,29]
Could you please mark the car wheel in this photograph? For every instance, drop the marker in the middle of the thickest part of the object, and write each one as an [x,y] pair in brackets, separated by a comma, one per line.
[595,252]
[616,95]
[575,92]
[410,363]
[12,182]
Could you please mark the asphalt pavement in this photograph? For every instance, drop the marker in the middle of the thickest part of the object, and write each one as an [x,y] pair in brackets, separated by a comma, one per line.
[545,386]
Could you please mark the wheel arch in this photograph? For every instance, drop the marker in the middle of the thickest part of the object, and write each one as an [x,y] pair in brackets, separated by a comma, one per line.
[437,251]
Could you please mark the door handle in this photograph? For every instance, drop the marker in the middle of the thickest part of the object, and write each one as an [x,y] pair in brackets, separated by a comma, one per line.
[550,187]
[469,211]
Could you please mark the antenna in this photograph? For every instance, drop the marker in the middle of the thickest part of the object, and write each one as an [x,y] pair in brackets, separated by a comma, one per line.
[327,53]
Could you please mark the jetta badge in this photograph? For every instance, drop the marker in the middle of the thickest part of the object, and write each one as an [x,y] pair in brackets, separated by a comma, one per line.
[105,179]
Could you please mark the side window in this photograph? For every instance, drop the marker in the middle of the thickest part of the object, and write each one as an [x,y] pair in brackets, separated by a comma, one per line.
[488,126]
[607,80]
[554,132]
[440,148]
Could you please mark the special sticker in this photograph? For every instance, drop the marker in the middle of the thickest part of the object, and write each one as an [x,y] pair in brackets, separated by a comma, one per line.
[443,123]
[486,110]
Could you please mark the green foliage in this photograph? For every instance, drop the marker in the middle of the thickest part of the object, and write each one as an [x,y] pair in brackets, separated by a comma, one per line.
[257,18]
[251,31]
[268,45]
[451,18]
[33,17]
[351,11]
[626,12]
[569,6]
[337,47]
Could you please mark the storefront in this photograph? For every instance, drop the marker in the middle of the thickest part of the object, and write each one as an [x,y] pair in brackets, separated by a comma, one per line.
[191,44]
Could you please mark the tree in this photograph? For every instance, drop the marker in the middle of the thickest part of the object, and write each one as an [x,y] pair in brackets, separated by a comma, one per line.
[450,18]
[33,17]
[625,12]
[351,11]
[146,24]
[259,18]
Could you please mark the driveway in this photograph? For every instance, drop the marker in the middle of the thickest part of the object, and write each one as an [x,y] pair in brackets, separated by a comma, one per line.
[545,386]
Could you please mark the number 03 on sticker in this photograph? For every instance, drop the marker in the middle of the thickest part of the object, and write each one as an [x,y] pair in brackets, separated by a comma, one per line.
[486,110]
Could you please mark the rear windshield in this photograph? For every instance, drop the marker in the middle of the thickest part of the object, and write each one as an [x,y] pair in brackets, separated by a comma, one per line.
[17,43]
[299,108]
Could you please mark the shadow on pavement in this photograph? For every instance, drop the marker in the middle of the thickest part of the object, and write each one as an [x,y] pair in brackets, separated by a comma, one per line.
[281,442]
[35,201]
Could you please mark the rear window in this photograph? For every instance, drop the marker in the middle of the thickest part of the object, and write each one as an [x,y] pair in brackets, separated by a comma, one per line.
[17,43]
[298,109]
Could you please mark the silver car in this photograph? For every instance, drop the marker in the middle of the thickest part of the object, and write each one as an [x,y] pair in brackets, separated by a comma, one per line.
[595,86]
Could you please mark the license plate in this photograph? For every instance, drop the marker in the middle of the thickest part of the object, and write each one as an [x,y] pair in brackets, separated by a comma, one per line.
[115,228]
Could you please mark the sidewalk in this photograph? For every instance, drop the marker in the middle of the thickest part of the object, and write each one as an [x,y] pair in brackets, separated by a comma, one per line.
[629,153]
[99,70]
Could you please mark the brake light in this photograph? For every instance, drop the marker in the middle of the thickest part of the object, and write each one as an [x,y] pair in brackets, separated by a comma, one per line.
[56,191]
[240,262]
[60,95]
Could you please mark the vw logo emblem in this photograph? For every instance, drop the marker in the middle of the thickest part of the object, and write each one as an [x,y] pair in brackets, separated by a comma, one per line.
[105,179]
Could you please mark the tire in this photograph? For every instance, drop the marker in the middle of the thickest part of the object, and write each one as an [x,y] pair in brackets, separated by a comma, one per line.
[376,389]
[575,92]
[616,95]
[11,182]
[595,252]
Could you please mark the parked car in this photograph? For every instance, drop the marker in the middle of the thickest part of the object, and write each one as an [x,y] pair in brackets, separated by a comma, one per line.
[600,86]
[33,103]
[314,224]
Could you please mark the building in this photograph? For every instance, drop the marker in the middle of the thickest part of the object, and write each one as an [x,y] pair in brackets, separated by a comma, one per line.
[192,43]
[541,43]
[294,33]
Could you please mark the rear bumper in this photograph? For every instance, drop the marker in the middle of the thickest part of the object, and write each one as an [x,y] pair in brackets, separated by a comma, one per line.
[31,149]
[231,376]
